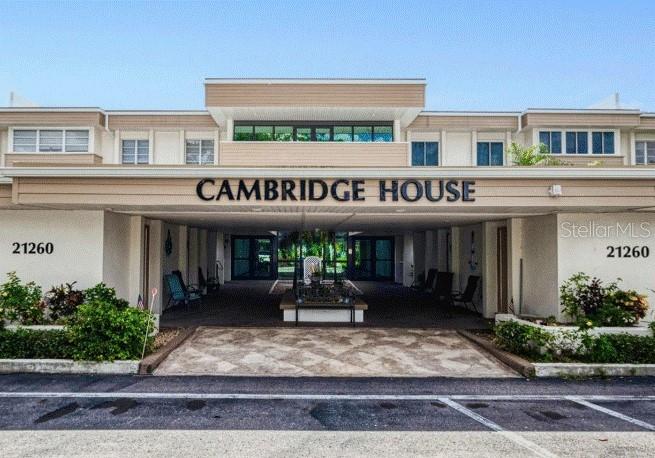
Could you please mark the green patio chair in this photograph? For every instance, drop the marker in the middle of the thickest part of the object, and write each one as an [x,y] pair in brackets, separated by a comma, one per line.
[178,295]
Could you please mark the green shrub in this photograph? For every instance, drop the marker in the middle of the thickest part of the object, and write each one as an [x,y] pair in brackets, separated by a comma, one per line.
[21,302]
[101,331]
[539,345]
[590,303]
[101,293]
[63,300]
[620,348]
[29,344]
[524,340]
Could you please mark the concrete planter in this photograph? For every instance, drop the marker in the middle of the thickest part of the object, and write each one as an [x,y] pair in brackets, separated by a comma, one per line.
[35,327]
[67,366]
[641,329]
[590,370]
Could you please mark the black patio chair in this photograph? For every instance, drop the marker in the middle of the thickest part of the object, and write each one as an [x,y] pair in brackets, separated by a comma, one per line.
[443,290]
[210,284]
[466,297]
[429,280]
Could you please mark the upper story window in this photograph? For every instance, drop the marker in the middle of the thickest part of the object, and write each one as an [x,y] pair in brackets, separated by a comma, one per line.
[51,141]
[135,152]
[577,142]
[314,133]
[200,152]
[552,139]
[602,142]
[490,153]
[425,153]
[645,152]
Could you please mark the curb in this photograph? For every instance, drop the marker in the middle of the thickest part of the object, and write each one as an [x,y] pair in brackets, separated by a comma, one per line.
[593,370]
[152,361]
[67,366]
[520,365]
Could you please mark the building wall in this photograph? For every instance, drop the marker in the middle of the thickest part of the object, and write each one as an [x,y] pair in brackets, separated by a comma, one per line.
[582,251]
[540,266]
[77,237]
[117,236]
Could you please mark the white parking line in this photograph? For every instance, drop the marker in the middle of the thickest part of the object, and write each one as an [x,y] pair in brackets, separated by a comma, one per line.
[514,437]
[611,412]
[310,396]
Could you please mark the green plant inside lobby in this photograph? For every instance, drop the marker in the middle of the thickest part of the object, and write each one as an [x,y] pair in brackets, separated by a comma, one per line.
[98,326]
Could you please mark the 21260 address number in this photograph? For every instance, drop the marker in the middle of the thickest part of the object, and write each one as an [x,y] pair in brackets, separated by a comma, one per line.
[626,251]
[33,248]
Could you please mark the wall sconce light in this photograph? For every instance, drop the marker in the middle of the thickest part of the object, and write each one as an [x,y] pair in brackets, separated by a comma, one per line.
[555,190]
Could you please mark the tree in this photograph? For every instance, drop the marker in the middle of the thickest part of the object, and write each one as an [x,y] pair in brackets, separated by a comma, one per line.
[531,155]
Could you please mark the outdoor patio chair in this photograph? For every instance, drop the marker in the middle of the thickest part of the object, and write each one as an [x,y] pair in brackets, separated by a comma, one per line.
[190,289]
[177,293]
[467,296]
[429,280]
[210,284]
[443,289]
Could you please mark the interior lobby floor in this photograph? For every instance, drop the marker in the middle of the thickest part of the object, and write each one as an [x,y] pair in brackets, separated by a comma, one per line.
[330,352]
[248,303]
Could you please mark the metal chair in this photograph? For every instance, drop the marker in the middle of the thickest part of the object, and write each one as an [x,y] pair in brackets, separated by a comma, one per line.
[429,280]
[178,295]
[466,297]
[443,289]
[192,289]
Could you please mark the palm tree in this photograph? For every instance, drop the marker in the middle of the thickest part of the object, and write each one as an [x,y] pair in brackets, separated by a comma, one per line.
[531,155]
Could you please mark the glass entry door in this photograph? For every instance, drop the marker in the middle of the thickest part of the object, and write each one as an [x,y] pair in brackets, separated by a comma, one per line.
[253,258]
[372,258]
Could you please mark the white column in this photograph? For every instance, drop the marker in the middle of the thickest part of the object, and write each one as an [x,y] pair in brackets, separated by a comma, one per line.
[156,263]
[193,256]
[430,251]
[396,130]
[408,259]
[183,242]
[456,255]
[136,261]
[229,127]
[398,258]
[474,148]
[202,252]
[220,256]
[515,247]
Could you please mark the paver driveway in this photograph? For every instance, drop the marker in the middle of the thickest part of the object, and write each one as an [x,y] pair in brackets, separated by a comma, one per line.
[330,352]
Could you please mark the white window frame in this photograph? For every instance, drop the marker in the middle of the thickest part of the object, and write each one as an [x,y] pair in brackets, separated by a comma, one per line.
[201,140]
[89,150]
[642,140]
[565,130]
[136,151]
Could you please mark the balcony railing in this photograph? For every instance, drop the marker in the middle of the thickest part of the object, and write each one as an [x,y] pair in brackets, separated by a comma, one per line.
[313,154]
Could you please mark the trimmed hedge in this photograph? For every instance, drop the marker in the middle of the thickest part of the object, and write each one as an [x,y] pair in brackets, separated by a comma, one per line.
[575,345]
[29,344]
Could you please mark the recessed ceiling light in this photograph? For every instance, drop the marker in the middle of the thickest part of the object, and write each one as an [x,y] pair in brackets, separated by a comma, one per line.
[257,209]
[400,210]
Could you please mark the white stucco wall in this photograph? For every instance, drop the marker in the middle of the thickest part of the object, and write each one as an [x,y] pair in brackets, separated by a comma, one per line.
[580,250]
[539,254]
[117,236]
[77,237]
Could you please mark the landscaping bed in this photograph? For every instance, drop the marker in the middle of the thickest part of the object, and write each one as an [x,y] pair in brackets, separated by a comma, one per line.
[71,331]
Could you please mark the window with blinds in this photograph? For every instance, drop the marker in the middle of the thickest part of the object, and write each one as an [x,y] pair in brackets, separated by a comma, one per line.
[51,141]
[200,152]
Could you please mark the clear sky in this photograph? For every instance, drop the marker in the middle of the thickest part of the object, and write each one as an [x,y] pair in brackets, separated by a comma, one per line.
[474,55]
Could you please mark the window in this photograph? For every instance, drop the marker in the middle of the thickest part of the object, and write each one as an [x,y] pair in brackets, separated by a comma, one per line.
[576,142]
[51,141]
[645,152]
[490,153]
[77,141]
[243,133]
[602,142]
[425,153]
[283,133]
[200,152]
[264,133]
[25,141]
[323,132]
[553,140]
[382,133]
[304,134]
[135,152]
[343,133]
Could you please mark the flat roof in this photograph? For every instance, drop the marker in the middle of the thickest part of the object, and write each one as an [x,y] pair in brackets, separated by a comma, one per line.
[315,81]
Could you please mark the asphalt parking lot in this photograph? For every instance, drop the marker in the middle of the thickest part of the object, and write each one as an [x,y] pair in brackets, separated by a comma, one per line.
[515,416]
